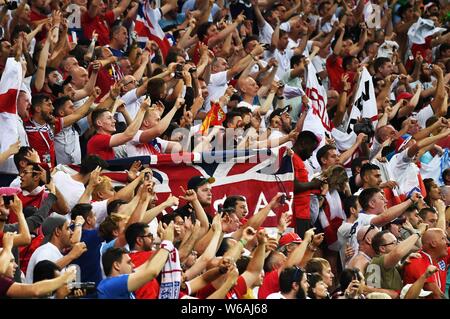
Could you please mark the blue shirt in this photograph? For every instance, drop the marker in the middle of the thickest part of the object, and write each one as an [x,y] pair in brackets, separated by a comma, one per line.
[114,288]
[89,261]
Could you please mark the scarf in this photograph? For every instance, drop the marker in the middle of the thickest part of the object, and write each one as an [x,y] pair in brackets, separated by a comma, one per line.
[171,276]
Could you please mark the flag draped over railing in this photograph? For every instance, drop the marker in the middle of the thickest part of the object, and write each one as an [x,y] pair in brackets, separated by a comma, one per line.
[257,175]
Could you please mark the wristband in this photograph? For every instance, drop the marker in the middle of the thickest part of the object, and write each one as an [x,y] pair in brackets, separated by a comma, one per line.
[78,225]
[420,236]
[167,245]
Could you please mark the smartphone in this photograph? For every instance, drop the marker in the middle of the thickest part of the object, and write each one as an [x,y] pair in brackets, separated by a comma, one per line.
[283,199]
[8,199]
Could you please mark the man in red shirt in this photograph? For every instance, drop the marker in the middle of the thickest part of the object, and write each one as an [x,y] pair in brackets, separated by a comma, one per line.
[103,141]
[140,241]
[43,126]
[98,19]
[434,252]
[303,148]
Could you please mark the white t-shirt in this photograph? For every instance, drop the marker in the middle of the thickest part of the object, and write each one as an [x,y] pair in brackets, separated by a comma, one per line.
[136,148]
[132,102]
[275,295]
[405,171]
[47,251]
[83,122]
[100,210]
[70,188]
[424,114]
[265,33]
[217,85]
[284,60]
[346,229]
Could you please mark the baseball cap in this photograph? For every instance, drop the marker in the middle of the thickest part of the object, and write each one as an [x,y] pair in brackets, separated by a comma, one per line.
[405,289]
[404,95]
[50,224]
[198,181]
[279,112]
[289,238]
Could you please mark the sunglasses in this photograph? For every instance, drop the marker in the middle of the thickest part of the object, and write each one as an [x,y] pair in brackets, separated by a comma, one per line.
[368,230]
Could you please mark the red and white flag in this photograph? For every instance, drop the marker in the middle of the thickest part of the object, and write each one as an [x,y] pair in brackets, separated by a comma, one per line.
[316,120]
[147,27]
[10,84]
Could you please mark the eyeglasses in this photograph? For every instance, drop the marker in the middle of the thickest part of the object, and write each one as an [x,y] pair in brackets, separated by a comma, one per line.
[368,230]
[393,243]
[148,236]
[132,81]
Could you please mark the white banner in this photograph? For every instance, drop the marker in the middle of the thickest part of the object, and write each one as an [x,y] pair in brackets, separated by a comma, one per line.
[365,103]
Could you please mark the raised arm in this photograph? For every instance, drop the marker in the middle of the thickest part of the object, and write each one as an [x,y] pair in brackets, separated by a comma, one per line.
[152,267]
[161,127]
[258,219]
[392,258]
[253,271]
[39,78]
[123,5]
[131,130]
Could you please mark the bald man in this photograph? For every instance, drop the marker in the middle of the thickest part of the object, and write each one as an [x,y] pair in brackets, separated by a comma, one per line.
[365,250]
[434,252]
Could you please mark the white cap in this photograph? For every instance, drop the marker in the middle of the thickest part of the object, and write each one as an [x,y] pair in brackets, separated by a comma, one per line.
[405,289]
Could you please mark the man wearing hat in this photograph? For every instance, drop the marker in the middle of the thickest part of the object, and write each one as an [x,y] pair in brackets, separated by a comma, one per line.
[58,237]
[280,122]
[202,187]
[292,251]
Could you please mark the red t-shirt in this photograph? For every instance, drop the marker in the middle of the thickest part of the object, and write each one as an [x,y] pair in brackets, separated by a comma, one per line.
[151,289]
[335,71]
[98,23]
[34,200]
[271,284]
[5,284]
[301,200]
[41,138]
[418,266]
[237,292]
[99,145]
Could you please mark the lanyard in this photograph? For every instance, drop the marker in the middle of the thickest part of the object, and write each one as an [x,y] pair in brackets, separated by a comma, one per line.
[40,132]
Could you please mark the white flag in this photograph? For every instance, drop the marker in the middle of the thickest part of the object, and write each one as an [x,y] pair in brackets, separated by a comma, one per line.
[10,85]
[365,104]
[422,29]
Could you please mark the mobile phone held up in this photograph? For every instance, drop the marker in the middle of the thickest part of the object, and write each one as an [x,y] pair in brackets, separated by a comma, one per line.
[8,199]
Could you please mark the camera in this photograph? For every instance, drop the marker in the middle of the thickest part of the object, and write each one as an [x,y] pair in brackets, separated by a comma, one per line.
[193,69]
[365,127]
[11,5]
[179,71]
[8,199]
[147,176]
[87,287]
[283,199]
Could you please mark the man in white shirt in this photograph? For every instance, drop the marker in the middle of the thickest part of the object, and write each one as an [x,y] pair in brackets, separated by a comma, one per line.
[221,74]
[58,236]
[72,185]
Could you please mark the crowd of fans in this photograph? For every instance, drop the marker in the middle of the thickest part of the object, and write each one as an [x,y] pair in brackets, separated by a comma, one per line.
[230,74]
